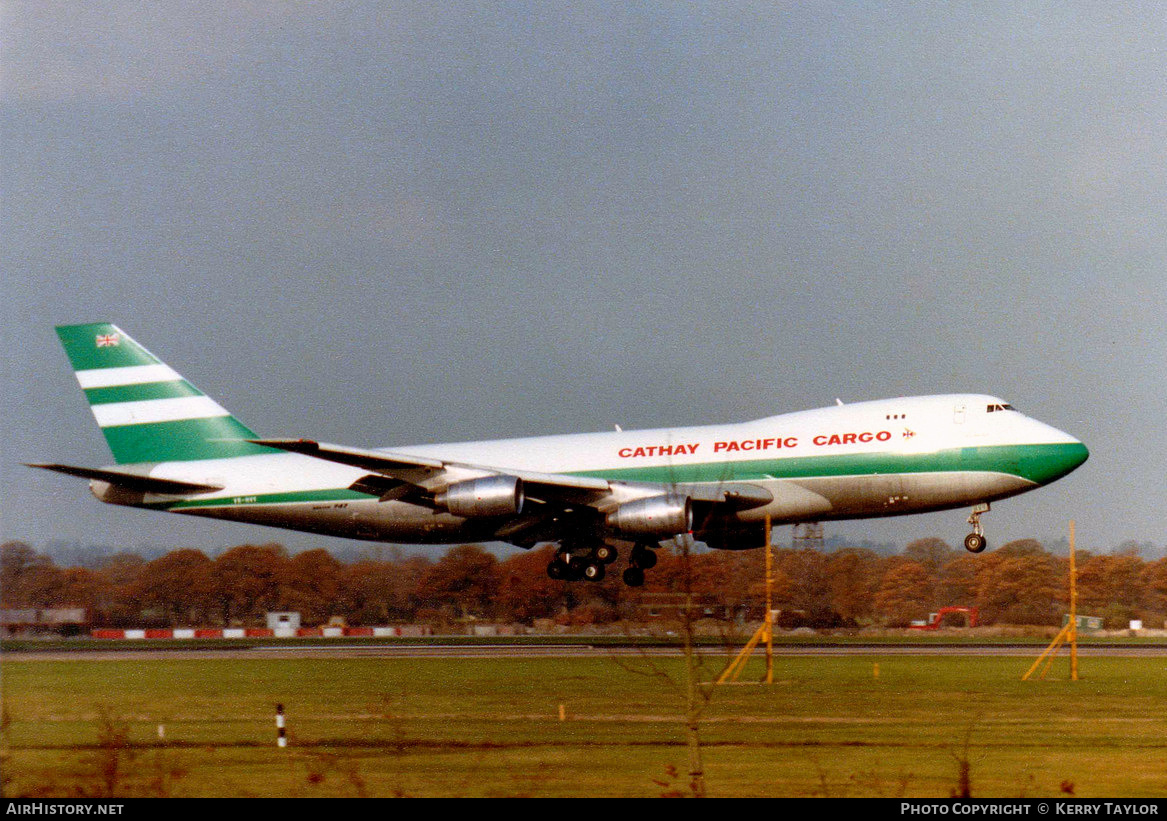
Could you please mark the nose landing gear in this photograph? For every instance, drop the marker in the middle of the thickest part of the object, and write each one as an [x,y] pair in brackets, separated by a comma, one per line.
[975,542]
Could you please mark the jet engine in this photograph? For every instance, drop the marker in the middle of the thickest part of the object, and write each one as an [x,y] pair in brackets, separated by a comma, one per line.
[488,496]
[728,535]
[660,516]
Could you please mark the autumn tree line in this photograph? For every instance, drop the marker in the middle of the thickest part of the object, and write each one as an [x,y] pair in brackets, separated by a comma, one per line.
[1020,583]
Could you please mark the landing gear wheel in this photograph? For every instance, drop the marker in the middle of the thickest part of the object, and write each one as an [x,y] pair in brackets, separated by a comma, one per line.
[975,543]
[594,572]
[643,557]
[633,576]
[606,553]
[575,569]
[556,570]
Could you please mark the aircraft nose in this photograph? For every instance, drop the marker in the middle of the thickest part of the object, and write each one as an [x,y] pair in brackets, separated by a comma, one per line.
[1054,453]
[1068,455]
[1076,454]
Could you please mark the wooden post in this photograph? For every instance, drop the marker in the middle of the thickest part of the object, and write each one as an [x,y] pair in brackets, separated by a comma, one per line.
[1073,608]
[769,606]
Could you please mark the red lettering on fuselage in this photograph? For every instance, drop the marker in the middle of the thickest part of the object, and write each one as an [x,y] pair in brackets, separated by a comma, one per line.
[658,450]
[755,445]
[825,440]
[737,445]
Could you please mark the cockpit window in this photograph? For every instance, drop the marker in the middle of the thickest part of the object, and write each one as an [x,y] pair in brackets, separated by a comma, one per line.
[1002,407]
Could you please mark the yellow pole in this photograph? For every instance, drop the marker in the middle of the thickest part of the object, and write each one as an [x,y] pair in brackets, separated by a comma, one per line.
[1049,652]
[736,666]
[769,607]
[763,633]
[1070,631]
[1073,608]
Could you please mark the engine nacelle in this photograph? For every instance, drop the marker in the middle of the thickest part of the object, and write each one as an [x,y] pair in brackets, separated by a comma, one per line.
[488,496]
[661,516]
[726,535]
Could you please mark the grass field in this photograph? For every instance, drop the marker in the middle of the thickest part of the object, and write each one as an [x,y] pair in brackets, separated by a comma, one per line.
[440,727]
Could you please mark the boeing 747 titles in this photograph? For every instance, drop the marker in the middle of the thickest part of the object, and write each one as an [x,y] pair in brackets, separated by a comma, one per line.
[594,495]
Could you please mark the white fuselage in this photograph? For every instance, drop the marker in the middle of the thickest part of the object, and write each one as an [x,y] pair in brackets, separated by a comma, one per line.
[881,458]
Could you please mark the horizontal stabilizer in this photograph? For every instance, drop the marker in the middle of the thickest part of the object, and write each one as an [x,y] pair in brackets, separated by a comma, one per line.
[132,481]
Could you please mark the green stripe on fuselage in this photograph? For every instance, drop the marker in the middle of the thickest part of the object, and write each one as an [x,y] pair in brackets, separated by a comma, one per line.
[1037,463]
[1045,463]
[291,497]
[140,393]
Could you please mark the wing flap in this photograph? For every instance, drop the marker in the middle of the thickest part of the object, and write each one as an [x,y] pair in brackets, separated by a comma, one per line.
[387,489]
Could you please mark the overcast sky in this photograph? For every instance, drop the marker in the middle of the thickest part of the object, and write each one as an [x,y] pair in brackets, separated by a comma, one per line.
[389,223]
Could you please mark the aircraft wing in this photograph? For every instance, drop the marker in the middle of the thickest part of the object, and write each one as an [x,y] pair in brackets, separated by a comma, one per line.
[410,469]
[396,475]
[399,476]
[419,480]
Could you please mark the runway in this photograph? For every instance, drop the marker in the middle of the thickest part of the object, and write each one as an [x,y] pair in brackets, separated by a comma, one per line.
[529,651]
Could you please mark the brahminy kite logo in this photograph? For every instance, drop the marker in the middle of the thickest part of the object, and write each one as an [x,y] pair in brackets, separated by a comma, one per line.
[108,340]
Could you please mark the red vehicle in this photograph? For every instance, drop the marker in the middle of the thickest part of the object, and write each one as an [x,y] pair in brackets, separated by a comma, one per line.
[935,620]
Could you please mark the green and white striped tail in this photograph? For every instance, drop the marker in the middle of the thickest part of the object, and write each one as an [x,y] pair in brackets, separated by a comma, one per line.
[146,410]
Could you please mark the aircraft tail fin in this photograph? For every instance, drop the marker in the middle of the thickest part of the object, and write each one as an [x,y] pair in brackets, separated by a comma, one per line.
[146,410]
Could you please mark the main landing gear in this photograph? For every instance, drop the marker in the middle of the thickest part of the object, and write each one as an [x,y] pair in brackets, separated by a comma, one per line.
[578,563]
[642,559]
[975,542]
[573,563]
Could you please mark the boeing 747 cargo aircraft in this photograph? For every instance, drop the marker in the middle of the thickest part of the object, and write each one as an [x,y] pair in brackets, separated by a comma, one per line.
[592,494]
